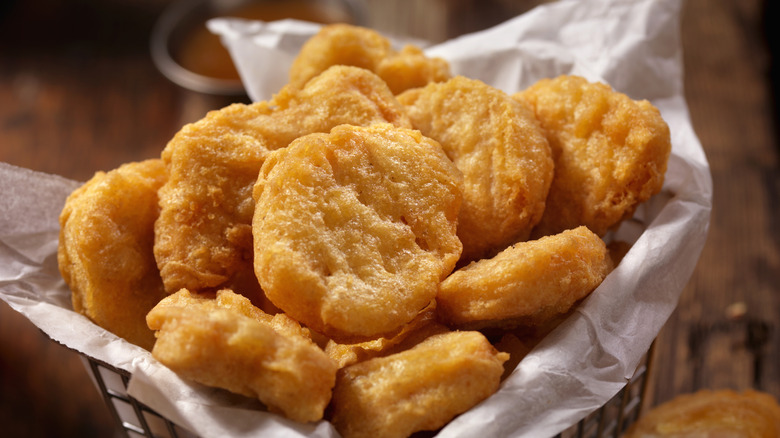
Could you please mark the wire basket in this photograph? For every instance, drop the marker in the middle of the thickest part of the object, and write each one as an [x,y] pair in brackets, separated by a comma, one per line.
[134,419]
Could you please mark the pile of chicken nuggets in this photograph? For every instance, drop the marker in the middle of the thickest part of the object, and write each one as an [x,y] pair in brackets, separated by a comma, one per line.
[371,244]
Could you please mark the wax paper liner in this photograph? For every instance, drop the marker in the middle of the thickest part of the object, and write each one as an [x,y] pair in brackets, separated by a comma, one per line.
[632,45]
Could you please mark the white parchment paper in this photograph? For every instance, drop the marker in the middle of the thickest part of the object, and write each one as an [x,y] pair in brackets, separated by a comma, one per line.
[634,45]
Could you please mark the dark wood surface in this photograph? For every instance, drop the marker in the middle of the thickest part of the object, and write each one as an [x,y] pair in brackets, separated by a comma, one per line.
[725,332]
[79,93]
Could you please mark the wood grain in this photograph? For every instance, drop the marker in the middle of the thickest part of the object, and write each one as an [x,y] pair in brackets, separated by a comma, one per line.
[725,331]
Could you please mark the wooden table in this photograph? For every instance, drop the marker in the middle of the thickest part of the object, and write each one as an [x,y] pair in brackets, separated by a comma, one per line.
[726,330]
[79,93]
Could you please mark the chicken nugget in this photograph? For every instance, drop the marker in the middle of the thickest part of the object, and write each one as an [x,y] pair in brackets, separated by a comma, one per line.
[340,95]
[105,248]
[225,343]
[502,151]
[279,321]
[707,413]
[610,152]
[422,388]
[344,44]
[354,229]
[526,284]
[203,235]
[410,68]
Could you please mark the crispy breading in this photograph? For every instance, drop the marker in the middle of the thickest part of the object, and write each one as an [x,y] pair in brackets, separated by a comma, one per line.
[105,248]
[610,152]
[712,413]
[344,44]
[422,388]
[354,229]
[225,343]
[526,284]
[340,95]
[502,151]
[203,235]
[410,68]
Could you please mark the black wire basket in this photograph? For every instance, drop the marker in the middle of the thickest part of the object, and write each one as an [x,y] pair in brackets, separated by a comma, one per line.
[134,419]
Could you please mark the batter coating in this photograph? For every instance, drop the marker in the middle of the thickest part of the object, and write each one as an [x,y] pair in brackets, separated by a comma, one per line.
[354,229]
[343,44]
[105,249]
[422,388]
[502,151]
[706,413]
[529,283]
[610,152]
[203,235]
[225,343]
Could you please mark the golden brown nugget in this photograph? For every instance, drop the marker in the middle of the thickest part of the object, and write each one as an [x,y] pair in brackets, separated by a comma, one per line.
[224,344]
[343,44]
[502,151]
[410,68]
[227,299]
[203,235]
[610,152]
[105,249]
[340,95]
[526,284]
[354,229]
[721,413]
[422,388]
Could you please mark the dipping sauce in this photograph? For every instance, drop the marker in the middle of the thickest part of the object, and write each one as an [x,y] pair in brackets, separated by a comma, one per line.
[202,52]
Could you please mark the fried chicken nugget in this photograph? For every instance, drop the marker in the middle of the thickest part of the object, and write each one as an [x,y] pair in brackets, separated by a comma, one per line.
[354,229]
[422,388]
[409,68]
[502,151]
[526,284]
[721,413]
[610,152]
[344,44]
[105,248]
[340,95]
[226,343]
[203,235]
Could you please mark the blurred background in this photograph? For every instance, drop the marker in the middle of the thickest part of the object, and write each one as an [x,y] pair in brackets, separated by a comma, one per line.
[79,92]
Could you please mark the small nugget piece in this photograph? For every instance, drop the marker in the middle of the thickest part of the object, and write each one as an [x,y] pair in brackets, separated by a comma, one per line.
[105,249]
[422,326]
[226,343]
[203,235]
[422,388]
[721,413]
[355,229]
[502,151]
[409,68]
[526,284]
[610,152]
[343,44]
